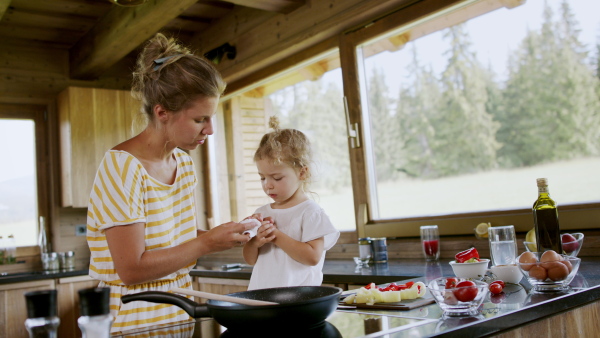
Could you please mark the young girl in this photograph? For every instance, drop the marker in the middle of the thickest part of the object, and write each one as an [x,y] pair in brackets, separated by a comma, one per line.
[293,252]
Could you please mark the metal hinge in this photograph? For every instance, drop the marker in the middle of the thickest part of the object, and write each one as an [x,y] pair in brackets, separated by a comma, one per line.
[352,128]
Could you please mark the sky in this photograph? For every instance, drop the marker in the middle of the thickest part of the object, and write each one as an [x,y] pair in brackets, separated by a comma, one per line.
[16,149]
[493,46]
[510,26]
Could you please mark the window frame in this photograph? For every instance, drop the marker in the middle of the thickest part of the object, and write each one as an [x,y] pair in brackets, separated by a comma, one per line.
[578,216]
[39,115]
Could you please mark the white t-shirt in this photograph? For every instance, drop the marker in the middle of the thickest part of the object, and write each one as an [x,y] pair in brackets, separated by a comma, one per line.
[304,222]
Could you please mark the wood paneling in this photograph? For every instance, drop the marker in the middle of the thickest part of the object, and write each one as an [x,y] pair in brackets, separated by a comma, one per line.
[87,114]
[13,309]
[68,303]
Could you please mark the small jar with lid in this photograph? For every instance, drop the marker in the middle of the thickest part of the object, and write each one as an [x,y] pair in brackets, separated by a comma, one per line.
[379,248]
[67,260]
[364,250]
[50,261]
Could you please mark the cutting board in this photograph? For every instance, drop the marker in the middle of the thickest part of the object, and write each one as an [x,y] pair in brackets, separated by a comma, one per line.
[408,304]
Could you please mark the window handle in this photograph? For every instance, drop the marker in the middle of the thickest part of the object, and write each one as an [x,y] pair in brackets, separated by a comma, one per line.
[352,128]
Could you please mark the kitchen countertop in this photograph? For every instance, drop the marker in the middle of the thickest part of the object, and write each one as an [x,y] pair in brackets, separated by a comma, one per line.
[520,306]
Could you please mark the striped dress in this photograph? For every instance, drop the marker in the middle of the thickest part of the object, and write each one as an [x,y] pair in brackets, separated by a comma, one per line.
[124,193]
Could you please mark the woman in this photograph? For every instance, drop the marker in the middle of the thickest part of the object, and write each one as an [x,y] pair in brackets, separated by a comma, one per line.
[142,229]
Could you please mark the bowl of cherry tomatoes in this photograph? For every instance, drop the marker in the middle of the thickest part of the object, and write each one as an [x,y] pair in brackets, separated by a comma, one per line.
[458,296]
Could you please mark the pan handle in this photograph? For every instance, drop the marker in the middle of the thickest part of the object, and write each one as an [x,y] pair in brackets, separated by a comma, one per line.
[192,308]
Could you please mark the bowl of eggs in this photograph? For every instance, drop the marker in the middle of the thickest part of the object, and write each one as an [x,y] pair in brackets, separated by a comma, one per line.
[550,272]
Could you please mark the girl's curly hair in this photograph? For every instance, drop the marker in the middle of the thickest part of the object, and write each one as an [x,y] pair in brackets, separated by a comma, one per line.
[288,146]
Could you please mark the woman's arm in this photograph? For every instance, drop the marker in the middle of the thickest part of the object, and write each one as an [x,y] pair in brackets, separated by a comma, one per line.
[308,253]
[135,265]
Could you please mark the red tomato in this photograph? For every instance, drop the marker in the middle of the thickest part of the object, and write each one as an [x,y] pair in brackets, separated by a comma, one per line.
[495,288]
[498,282]
[465,291]
[451,283]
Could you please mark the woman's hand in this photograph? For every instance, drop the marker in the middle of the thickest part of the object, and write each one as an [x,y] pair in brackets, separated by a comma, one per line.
[226,236]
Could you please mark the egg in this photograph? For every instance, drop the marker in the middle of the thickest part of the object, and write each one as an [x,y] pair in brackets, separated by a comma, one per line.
[567,264]
[538,272]
[550,256]
[527,260]
[557,271]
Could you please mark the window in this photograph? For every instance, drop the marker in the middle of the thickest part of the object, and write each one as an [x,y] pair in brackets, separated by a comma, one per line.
[18,181]
[308,97]
[464,109]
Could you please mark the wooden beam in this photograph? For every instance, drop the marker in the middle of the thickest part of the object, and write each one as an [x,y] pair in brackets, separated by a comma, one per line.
[280,36]
[3,7]
[118,33]
[278,6]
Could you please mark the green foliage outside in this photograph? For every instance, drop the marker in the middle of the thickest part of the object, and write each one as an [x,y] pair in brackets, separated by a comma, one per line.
[464,121]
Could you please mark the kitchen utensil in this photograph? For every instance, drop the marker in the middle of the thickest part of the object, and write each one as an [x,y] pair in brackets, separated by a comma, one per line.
[507,273]
[547,276]
[430,242]
[450,299]
[403,305]
[474,270]
[224,298]
[503,245]
[299,307]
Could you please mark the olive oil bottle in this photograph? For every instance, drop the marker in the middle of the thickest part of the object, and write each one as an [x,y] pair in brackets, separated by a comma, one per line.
[545,217]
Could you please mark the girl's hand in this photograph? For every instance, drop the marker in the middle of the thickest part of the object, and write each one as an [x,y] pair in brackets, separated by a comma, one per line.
[265,234]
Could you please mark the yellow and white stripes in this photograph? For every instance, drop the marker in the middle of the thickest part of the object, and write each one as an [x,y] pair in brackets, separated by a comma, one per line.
[123,193]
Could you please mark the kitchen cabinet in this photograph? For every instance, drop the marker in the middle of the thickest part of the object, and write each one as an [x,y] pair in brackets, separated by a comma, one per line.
[91,121]
[68,303]
[13,309]
[221,286]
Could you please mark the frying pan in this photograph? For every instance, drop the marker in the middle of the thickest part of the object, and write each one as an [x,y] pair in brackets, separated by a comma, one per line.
[298,307]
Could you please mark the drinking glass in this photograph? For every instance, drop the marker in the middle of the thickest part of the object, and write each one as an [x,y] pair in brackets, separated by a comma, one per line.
[503,245]
[430,242]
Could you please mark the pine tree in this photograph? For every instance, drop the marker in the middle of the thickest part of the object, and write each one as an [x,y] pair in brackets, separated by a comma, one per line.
[465,132]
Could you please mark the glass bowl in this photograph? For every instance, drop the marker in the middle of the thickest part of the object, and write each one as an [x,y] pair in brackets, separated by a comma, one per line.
[572,248]
[470,270]
[550,275]
[448,299]
[569,248]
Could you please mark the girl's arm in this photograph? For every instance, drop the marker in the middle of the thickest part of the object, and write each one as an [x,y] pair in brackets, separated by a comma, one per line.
[135,265]
[308,253]
[263,236]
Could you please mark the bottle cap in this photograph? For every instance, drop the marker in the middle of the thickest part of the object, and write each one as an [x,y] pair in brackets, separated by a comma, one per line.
[41,303]
[542,182]
[94,301]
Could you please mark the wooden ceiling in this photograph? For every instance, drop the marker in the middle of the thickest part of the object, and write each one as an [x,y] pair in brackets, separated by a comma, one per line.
[99,34]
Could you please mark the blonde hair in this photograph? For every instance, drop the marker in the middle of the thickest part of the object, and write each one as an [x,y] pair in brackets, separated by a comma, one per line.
[288,146]
[168,74]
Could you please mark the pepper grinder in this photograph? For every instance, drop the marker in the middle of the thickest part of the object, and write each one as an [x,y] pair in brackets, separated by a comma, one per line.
[95,320]
[42,321]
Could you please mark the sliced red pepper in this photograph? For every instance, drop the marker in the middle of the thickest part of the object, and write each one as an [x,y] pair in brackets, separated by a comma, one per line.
[464,256]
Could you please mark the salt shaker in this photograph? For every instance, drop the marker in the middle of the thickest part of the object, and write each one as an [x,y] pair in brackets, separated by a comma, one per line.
[42,320]
[95,320]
